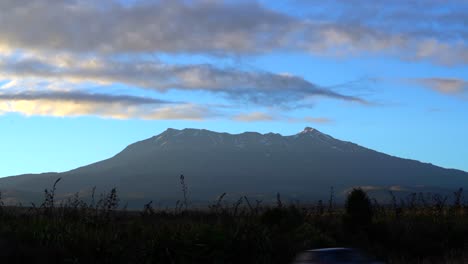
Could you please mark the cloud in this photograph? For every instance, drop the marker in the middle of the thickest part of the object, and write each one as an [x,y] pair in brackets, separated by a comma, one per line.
[430,30]
[77,103]
[434,110]
[182,112]
[62,45]
[258,87]
[309,119]
[66,104]
[448,86]
[264,117]
[81,97]
[254,117]
[444,85]
[168,26]
[318,120]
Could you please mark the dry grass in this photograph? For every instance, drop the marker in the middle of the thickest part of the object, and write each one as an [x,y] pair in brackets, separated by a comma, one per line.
[416,230]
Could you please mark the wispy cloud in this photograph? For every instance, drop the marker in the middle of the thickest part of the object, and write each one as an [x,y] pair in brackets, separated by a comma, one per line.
[448,86]
[258,87]
[66,104]
[258,116]
[254,117]
[444,85]
[318,120]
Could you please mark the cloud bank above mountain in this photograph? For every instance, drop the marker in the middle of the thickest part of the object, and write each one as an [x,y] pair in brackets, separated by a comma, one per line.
[71,44]
[421,28]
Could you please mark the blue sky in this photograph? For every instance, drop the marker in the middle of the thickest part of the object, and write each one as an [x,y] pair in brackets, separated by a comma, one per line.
[79,81]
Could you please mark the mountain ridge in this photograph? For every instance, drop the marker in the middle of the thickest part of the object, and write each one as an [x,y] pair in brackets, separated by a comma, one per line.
[303,165]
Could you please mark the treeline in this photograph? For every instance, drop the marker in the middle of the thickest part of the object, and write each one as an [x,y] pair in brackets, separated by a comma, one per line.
[418,229]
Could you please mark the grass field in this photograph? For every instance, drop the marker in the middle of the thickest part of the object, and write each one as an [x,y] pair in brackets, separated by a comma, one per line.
[419,229]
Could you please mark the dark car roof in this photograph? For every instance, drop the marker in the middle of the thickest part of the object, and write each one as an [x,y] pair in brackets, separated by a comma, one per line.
[329,249]
[336,254]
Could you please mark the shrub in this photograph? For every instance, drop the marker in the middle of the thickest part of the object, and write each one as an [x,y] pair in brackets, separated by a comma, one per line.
[358,209]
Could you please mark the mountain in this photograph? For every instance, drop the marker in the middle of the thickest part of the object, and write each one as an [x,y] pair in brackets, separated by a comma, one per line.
[302,166]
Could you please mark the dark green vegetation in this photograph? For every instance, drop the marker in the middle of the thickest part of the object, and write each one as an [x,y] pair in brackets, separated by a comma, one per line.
[420,228]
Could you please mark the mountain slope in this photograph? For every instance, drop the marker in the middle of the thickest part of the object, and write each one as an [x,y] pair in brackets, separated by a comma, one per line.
[303,166]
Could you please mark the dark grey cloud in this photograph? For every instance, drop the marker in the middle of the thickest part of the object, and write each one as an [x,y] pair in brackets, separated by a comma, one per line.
[413,30]
[81,97]
[258,87]
[170,26]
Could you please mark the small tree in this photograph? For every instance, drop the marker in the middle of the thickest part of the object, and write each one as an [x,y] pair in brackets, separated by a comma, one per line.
[184,190]
[358,209]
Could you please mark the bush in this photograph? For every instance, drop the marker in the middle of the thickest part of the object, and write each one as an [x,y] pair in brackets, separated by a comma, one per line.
[358,209]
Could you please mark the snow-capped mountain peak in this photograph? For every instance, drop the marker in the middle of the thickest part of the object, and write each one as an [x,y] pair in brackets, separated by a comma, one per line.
[309,130]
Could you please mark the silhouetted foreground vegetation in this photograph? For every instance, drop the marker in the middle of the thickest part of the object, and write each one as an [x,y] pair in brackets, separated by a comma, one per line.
[420,229]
